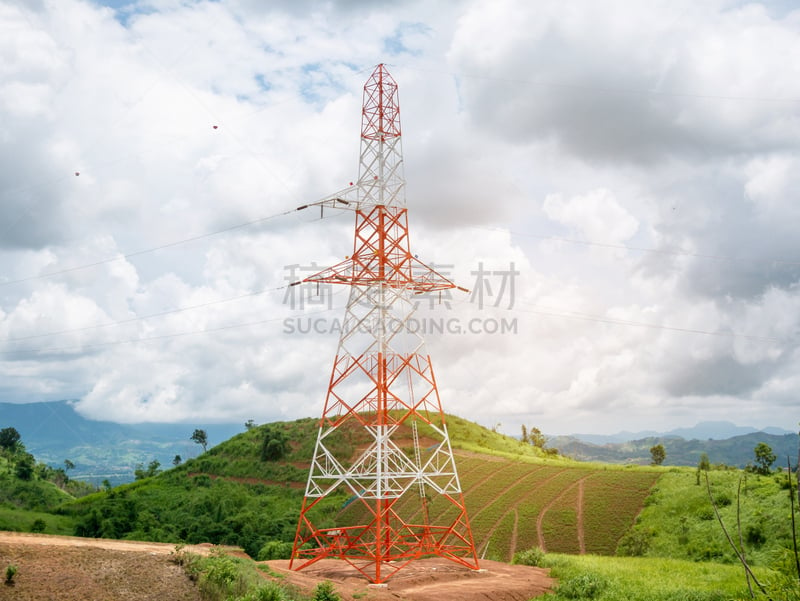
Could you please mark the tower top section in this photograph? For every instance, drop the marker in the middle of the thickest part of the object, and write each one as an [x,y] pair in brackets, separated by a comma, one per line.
[381,181]
[380,172]
[380,115]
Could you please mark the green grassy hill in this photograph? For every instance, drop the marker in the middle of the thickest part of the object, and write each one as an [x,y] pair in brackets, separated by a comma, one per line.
[517,496]
[678,520]
[31,492]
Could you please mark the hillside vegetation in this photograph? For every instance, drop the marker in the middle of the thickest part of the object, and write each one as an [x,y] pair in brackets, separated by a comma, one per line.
[521,500]
[31,491]
[517,496]
[678,519]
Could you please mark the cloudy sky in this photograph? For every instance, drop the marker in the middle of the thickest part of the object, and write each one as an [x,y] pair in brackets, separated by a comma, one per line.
[615,182]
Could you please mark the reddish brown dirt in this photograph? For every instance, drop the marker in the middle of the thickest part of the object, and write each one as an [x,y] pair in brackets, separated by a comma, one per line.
[426,580]
[66,568]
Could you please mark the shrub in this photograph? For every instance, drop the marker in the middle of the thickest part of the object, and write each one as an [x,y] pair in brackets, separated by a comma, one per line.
[705,513]
[635,543]
[585,586]
[532,557]
[326,592]
[39,525]
[266,592]
[275,550]
[723,500]
[221,577]
[755,535]
[11,571]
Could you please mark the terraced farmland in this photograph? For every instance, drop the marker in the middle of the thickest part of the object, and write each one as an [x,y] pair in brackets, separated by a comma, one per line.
[514,505]
[570,509]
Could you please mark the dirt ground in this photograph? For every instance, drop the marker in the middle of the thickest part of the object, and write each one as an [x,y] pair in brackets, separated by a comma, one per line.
[426,580]
[62,568]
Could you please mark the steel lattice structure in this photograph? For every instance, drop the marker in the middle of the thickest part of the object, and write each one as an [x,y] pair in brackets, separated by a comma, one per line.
[382,384]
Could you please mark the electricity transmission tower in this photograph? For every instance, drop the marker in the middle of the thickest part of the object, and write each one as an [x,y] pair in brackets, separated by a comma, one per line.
[382,439]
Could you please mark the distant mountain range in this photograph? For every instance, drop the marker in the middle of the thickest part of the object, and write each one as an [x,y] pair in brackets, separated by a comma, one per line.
[719,430]
[723,442]
[54,431]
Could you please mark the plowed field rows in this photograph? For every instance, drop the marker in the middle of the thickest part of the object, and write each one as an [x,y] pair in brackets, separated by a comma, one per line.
[523,505]
[514,506]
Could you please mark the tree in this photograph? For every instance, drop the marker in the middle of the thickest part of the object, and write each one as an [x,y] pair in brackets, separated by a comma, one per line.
[9,438]
[524,434]
[536,438]
[657,454]
[764,458]
[68,465]
[703,465]
[200,437]
[60,478]
[152,469]
[176,461]
[25,467]
[274,445]
[250,424]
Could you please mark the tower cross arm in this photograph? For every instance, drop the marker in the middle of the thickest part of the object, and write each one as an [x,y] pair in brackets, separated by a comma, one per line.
[420,278]
[355,197]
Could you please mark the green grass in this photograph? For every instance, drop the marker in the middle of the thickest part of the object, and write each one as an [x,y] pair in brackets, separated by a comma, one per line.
[22,520]
[221,577]
[33,494]
[644,579]
[678,519]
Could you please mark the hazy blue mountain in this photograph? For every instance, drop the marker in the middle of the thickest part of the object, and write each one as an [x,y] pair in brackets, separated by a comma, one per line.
[54,431]
[622,436]
[714,430]
[737,450]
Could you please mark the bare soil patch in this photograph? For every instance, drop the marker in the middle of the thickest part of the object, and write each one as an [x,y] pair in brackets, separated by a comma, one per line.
[66,568]
[426,580]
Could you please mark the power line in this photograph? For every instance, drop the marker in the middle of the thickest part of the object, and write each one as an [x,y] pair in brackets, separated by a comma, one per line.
[660,251]
[97,345]
[145,317]
[537,310]
[619,91]
[603,319]
[152,315]
[146,250]
[491,229]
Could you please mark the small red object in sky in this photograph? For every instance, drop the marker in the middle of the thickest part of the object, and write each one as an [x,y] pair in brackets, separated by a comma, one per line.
[77,173]
[215,127]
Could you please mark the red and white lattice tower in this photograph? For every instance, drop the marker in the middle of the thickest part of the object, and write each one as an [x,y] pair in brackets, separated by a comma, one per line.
[402,480]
